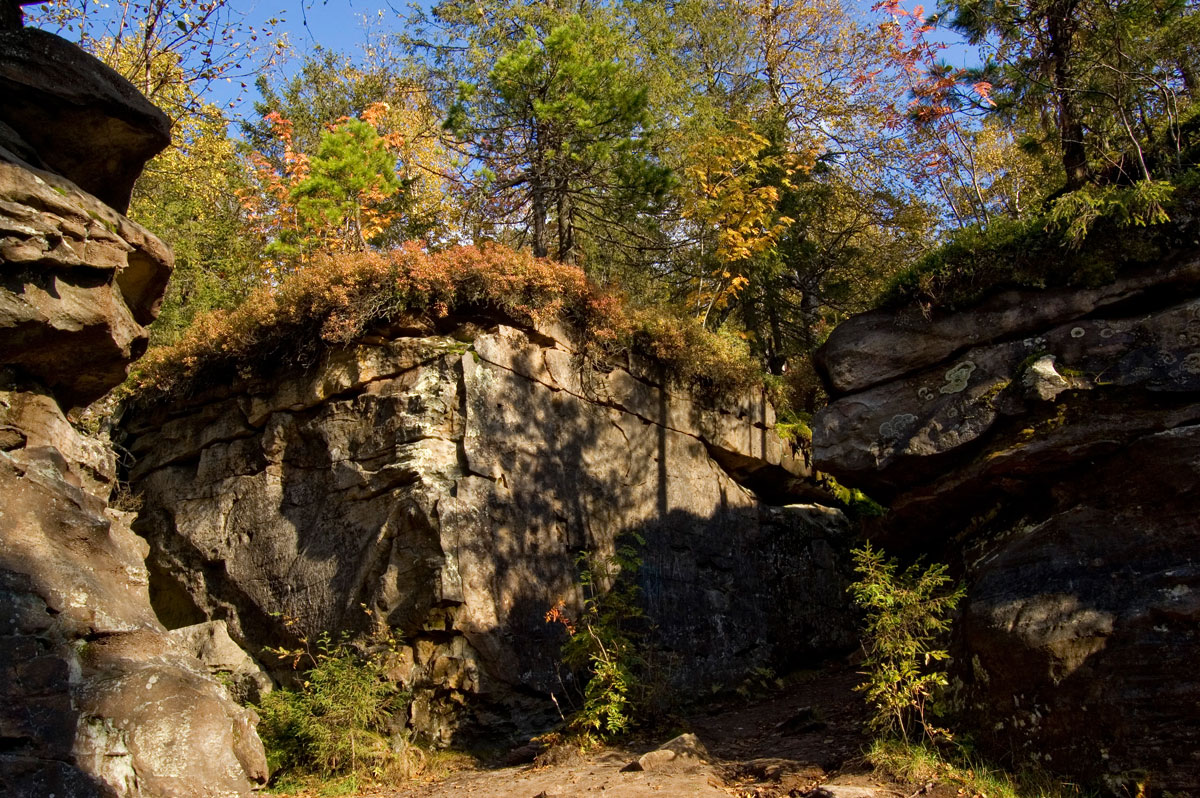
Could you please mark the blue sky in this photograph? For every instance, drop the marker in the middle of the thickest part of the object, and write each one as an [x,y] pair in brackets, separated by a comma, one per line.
[343,25]
[346,25]
[336,24]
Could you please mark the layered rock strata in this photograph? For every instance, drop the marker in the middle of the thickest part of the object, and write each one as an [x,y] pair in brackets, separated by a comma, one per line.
[98,699]
[1049,444]
[446,484]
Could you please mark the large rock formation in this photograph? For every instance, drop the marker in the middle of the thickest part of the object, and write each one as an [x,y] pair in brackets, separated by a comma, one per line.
[66,112]
[1049,444]
[79,283]
[446,484]
[98,699]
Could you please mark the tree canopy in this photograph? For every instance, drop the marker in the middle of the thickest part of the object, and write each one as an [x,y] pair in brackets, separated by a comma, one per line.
[765,168]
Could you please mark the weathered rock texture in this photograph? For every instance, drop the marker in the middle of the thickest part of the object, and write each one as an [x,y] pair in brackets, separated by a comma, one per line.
[98,700]
[447,486]
[79,283]
[66,112]
[210,643]
[1049,443]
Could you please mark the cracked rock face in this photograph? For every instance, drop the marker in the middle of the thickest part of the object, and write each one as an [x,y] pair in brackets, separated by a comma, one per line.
[448,487]
[98,699]
[1047,443]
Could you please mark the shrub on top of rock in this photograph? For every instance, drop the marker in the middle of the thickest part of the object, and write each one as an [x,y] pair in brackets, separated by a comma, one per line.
[336,299]
[1126,228]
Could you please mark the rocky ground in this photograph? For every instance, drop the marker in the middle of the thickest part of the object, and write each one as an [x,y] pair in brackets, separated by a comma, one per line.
[803,740]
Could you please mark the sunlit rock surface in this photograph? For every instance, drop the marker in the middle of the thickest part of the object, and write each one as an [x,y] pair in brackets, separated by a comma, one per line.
[447,486]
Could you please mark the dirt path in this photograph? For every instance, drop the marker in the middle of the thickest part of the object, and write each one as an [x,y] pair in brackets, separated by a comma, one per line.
[805,740]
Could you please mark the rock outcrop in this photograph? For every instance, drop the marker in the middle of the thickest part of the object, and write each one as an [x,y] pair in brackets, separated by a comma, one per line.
[67,113]
[446,484]
[1049,444]
[80,283]
[98,699]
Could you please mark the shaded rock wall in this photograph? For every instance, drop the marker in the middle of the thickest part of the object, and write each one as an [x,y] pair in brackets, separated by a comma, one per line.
[1048,443]
[447,486]
[98,698]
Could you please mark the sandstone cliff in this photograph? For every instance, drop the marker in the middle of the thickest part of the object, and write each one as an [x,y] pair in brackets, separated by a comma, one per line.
[99,700]
[447,483]
[1047,443]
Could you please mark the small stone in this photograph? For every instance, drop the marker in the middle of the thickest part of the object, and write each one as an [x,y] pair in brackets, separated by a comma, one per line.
[684,747]
[848,791]
[1042,380]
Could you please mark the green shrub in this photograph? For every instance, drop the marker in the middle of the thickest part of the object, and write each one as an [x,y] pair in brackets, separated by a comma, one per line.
[1138,205]
[795,427]
[337,721]
[1125,227]
[907,618]
[604,645]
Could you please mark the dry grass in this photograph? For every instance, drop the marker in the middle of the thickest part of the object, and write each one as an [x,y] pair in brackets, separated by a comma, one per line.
[333,300]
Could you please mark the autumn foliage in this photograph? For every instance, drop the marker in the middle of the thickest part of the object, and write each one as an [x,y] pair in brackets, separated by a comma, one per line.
[766,167]
[339,199]
[337,298]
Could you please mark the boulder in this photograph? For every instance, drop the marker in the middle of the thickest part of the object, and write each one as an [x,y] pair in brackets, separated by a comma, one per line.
[1081,626]
[75,116]
[882,345]
[10,15]
[210,643]
[31,419]
[1047,446]
[901,433]
[448,486]
[98,702]
[684,751]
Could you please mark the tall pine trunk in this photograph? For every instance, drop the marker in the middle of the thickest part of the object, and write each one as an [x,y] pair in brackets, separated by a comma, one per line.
[537,193]
[1060,28]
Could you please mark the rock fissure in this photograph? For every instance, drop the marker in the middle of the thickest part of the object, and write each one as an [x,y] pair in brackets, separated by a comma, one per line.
[727,458]
[496,480]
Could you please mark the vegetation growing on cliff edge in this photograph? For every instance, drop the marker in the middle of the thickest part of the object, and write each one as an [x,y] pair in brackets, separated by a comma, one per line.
[337,298]
[1086,238]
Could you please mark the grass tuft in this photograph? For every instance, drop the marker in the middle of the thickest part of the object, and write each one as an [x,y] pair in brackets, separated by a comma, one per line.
[917,763]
